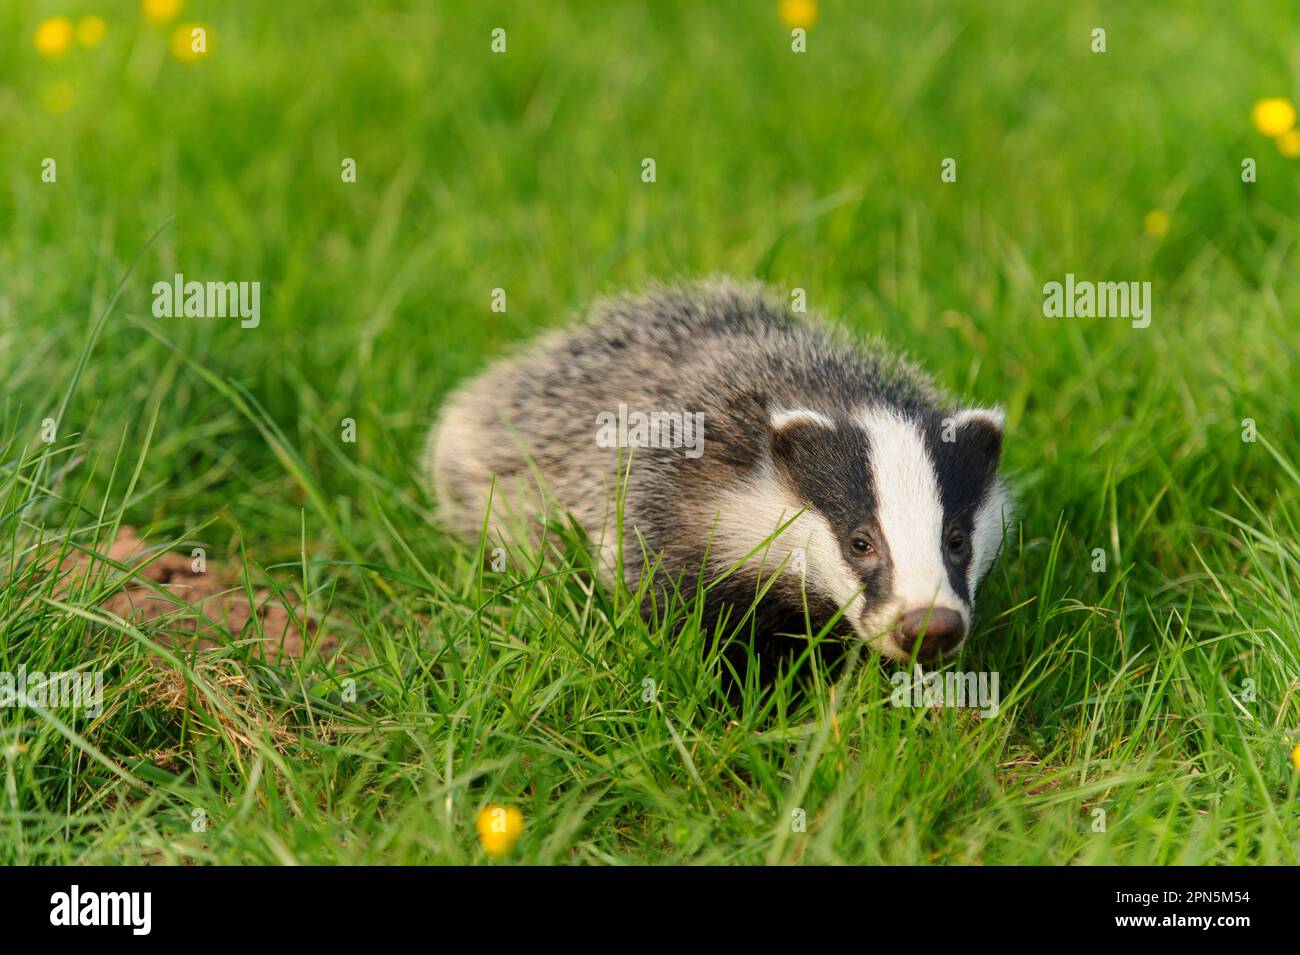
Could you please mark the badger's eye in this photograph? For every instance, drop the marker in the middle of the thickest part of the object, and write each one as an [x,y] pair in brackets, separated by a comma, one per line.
[861,545]
[956,541]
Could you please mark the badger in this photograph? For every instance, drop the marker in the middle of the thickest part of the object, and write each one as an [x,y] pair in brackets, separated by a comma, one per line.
[711,442]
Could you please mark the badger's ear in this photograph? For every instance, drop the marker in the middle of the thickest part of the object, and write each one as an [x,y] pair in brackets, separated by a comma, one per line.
[785,418]
[797,435]
[977,433]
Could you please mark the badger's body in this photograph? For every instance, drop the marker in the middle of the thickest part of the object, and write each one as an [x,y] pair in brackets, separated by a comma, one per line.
[837,469]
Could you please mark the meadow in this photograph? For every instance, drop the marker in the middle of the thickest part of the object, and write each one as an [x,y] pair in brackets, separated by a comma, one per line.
[1143,617]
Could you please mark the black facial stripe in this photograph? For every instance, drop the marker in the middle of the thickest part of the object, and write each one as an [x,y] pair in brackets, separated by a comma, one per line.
[965,468]
[880,581]
[957,573]
[830,468]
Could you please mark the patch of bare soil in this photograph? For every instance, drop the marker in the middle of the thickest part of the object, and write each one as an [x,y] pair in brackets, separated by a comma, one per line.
[206,608]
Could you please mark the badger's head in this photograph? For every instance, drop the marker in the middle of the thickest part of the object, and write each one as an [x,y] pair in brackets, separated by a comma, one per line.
[902,517]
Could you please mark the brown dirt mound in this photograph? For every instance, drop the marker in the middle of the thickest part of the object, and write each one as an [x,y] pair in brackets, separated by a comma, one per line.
[215,609]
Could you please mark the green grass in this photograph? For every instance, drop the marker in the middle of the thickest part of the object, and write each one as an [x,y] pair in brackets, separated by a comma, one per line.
[1124,690]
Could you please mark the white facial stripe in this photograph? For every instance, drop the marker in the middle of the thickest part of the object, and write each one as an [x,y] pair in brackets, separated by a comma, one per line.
[909,510]
[750,514]
[784,417]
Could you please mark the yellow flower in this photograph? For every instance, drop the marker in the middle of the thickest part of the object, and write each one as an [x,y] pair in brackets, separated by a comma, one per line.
[1273,117]
[1156,223]
[499,828]
[58,98]
[1295,758]
[1288,144]
[90,30]
[191,41]
[53,37]
[160,11]
[798,13]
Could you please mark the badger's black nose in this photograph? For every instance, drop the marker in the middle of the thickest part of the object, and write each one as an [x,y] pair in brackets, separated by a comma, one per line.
[938,628]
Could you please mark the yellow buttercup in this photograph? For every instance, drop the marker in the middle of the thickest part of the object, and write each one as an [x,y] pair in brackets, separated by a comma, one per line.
[499,828]
[1274,116]
[53,37]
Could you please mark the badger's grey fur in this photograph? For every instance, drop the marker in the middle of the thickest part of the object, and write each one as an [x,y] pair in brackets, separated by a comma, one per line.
[833,471]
